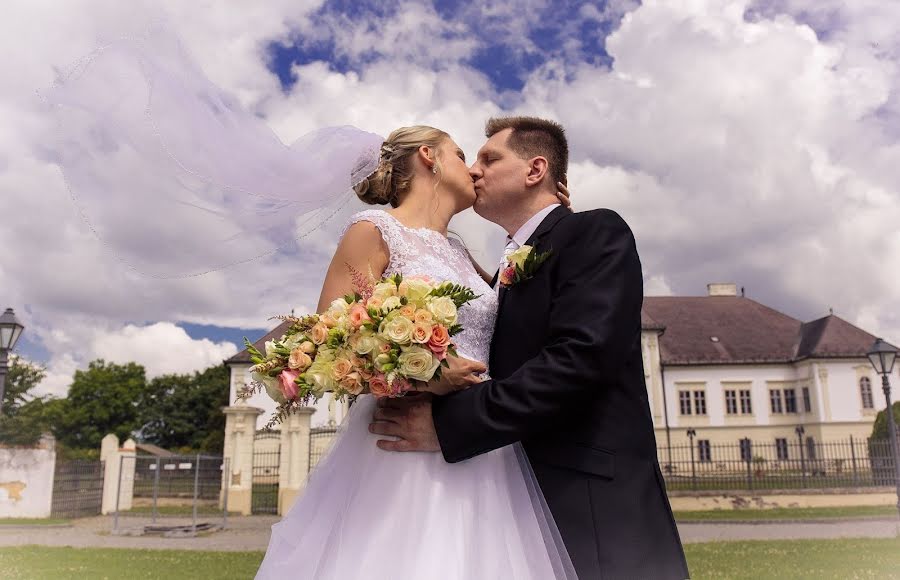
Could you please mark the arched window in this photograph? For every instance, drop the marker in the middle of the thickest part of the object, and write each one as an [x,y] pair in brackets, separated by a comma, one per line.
[865,391]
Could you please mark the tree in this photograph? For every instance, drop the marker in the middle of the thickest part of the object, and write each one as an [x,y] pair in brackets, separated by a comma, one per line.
[102,399]
[179,411]
[880,427]
[23,418]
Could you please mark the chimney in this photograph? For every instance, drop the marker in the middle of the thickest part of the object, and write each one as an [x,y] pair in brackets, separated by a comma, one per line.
[721,289]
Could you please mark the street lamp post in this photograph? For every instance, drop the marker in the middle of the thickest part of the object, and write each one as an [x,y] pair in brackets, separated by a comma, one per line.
[882,356]
[691,433]
[800,431]
[10,329]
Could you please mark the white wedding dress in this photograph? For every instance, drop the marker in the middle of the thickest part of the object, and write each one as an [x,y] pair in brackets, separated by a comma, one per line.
[379,515]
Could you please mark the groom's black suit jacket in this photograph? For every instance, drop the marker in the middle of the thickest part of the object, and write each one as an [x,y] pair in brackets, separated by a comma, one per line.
[568,382]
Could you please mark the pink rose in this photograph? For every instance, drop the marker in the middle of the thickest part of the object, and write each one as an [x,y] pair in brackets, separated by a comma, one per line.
[358,315]
[400,386]
[286,381]
[378,385]
[507,275]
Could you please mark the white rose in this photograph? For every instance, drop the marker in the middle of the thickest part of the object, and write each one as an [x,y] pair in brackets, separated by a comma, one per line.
[518,257]
[444,310]
[390,303]
[366,343]
[417,289]
[338,307]
[384,290]
[399,329]
[417,363]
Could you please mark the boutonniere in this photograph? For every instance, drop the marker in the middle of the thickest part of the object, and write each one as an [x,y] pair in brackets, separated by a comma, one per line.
[521,265]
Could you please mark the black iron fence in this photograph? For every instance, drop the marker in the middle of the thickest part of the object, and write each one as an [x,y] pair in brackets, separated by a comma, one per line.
[77,489]
[780,464]
[266,474]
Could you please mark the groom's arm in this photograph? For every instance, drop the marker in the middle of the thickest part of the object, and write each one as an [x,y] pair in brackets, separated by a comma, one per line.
[594,317]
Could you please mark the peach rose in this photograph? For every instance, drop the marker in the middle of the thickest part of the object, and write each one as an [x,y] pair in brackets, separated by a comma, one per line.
[375,302]
[384,348]
[358,315]
[341,368]
[328,320]
[319,333]
[299,360]
[408,311]
[439,342]
[379,386]
[286,380]
[352,383]
[423,316]
[421,333]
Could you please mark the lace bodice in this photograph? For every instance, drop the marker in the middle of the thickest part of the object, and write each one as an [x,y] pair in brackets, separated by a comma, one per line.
[426,252]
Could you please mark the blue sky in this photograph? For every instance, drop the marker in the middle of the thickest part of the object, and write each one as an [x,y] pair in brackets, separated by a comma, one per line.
[504,56]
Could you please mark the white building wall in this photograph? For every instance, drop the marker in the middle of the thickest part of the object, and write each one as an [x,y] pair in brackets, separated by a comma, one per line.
[26,481]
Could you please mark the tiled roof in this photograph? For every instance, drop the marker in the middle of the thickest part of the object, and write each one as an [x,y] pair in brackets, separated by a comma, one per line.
[260,345]
[734,330]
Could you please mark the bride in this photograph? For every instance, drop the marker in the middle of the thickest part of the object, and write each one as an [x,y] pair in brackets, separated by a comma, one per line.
[128,121]
[368,513]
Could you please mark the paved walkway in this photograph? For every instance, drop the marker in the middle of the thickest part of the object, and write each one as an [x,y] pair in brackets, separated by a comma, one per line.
[252,533]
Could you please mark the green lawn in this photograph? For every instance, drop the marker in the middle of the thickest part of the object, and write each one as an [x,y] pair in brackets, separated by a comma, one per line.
[39,563]
[786,513]
[797,559]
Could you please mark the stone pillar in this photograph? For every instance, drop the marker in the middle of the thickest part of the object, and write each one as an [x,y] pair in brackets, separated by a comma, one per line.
[240,431]
[295,447]
[116,459]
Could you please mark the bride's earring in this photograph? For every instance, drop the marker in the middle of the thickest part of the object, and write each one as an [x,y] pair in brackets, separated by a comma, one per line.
[434,169]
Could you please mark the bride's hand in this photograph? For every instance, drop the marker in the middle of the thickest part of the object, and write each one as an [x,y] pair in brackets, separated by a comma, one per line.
[563,194]
[461,374]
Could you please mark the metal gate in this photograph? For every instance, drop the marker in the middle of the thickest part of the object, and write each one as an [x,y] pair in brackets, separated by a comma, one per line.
[77,489]
[320,439]
[266,464]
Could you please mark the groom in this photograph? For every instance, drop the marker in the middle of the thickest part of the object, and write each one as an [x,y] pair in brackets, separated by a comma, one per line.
[566,367]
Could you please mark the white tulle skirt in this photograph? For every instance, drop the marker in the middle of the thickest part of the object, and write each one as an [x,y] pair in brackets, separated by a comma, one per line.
[373,514]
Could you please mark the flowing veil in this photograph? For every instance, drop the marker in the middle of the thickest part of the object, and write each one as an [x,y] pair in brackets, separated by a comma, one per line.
[173,176]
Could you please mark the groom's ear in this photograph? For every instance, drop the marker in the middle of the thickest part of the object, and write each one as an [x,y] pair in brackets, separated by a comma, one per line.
[538,170]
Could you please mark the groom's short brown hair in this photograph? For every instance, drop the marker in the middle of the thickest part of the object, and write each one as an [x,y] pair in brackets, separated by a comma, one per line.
[533,137]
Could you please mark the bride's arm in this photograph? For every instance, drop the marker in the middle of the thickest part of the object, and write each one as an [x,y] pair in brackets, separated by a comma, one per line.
[362,249]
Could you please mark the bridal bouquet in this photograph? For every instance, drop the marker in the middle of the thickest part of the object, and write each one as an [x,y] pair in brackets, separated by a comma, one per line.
[379,340]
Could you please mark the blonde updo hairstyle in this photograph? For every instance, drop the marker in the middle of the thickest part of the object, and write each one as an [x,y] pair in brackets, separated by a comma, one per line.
[395,170]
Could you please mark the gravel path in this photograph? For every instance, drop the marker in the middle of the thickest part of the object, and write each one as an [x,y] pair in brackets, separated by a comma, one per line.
[252,533]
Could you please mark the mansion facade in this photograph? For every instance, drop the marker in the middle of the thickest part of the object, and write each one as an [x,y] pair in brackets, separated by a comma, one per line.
[731,368]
